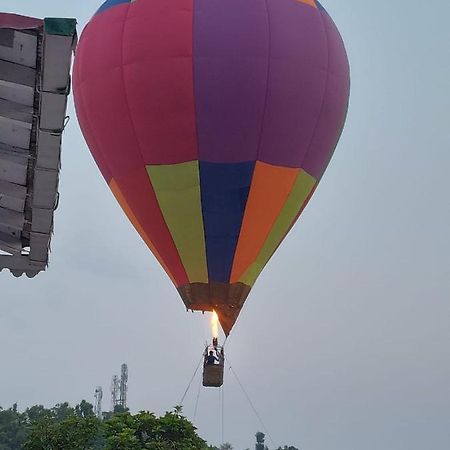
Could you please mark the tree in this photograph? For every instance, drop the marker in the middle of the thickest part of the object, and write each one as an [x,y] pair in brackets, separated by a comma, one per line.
[62,411]
[13,429]
[119,409]
[178,410]
[42,435]
[146,431]
[37,412]
[120,433]
[226,446]
[84,409]
[63,427]
[287,448]
[260,439]
[74,432]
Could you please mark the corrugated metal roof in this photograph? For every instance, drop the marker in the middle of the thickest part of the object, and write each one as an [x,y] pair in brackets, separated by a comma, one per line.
[35,60]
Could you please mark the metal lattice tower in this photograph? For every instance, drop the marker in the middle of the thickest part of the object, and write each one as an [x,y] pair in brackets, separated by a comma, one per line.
[98,402]
[119,388]
[123,386]
[115,388]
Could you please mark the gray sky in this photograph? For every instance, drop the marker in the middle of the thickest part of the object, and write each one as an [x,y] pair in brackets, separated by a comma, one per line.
[358,357]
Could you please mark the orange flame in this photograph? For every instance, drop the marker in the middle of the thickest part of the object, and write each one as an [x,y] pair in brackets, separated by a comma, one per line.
[215,325]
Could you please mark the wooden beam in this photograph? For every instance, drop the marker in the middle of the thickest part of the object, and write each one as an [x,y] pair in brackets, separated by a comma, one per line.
[19,265]
[12,196]
[10,244]
[11,219]
[18,93]
[13,166]
[14,73]
[23,50]
[16,111]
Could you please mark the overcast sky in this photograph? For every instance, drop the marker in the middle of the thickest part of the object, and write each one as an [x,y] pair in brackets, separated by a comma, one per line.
[358,357]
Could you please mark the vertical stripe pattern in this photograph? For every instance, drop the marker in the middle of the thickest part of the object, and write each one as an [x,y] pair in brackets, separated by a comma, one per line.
[212,122]
[177,189]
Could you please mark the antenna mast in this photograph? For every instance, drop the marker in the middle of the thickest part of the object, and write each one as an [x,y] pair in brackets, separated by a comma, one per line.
[119,388]
[115,387]
[98,403]
[123,386]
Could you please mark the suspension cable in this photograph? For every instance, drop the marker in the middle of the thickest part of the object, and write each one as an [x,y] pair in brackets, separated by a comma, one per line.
[223,413]
[197,399]
[250,402]
[190,382]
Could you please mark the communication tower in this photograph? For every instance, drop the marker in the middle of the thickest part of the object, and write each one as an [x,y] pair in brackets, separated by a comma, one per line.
[115,387]
[123,386]
[98,402]
[119,388]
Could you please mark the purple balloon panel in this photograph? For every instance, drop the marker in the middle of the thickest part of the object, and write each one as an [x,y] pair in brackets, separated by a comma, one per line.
[231,43]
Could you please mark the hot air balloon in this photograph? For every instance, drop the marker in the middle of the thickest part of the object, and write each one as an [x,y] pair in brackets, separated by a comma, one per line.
[212,122]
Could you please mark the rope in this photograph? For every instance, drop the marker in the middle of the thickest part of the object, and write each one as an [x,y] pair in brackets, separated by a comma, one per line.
[250,402]
[223,413]
[190,382]
[198,397]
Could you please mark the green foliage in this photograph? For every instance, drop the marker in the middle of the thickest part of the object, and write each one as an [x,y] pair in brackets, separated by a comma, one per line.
[84,410]
[146,431]
[42,435]
[62,411]
[12,429]
[37,412]
[260,439]
[226,446]
[64,427]
[119,409]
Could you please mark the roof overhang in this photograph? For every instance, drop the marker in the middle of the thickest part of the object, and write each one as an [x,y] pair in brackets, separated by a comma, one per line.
[35,62]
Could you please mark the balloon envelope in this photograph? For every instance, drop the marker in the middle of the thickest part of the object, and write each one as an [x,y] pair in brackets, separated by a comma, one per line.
[212,121]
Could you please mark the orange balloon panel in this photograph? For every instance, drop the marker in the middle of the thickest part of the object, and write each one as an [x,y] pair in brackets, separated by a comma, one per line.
[212,123]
